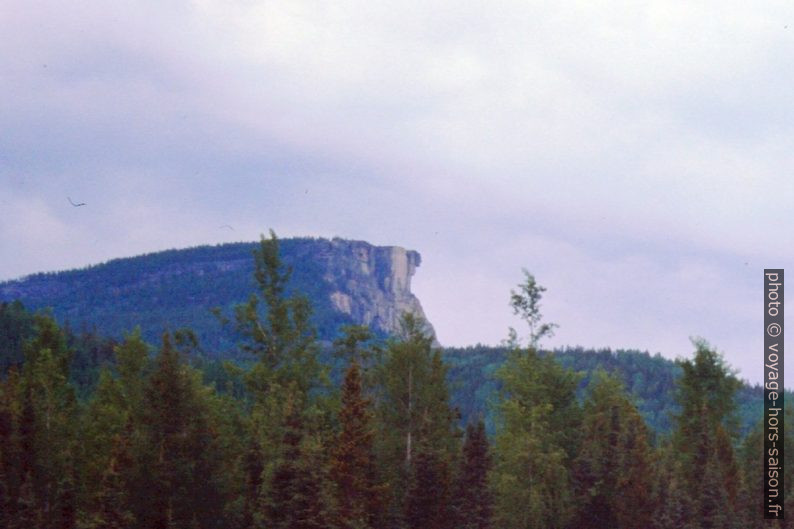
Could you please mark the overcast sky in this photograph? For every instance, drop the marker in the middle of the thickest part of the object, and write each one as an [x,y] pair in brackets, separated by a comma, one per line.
[635,156]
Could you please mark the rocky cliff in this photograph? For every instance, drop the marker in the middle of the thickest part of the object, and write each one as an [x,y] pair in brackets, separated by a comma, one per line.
[346,281]
[372,284]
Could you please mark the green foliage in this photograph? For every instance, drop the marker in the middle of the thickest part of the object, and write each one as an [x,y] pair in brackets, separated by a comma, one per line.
[673,506]
[98,435]
[103,446]
[280,336]
[428,500]
[537,430]
[109,507]
[168,291]
[610,472]
[706,392]
[353,462]
[359,344]
[178,458]
[536,436]
[290,409]
[526,304]
[416,423]
[649,379]
[297,497]
[707,471]
[472,501]
[749,462]
[90,354]
[16,327]
[49,421]
[15,457]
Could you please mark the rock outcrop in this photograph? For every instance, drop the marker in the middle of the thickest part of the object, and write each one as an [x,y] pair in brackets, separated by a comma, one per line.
[372,284]
[346,282]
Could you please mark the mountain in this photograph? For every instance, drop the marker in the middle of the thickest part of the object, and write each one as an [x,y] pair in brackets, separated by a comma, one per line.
[346,281]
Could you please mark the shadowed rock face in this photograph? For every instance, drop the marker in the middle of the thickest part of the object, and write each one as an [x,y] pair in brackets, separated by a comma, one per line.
[346,281]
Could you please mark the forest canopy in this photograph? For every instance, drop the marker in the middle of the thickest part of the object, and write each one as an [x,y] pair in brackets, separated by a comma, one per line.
[367,431]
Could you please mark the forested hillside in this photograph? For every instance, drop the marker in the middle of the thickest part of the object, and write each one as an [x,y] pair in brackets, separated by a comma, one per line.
[347,281]
[650,380]
[98,433]
[176,289]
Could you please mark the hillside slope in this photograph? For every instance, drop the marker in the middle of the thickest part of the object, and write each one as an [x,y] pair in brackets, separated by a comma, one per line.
[346,281]
[649,379]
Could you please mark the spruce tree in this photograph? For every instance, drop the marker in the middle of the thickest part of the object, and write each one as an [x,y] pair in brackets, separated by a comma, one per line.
[427,501]
[635,480]
[179,460]
[109,507]
[12,467]
[612,472]
[750,508]
[253,466]
[297,499]
[472,500]
[101,423]
[28,512]
[353,463]
[673,506]
[703,437]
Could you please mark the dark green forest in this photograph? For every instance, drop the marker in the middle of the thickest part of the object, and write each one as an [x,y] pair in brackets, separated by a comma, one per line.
[168,290]
[365,431]
[650,380]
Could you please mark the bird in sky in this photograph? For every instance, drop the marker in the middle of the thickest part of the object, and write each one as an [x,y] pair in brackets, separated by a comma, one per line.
[226,227]
[75,205]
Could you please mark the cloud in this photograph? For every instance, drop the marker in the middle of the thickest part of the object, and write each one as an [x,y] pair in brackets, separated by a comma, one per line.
[634,156]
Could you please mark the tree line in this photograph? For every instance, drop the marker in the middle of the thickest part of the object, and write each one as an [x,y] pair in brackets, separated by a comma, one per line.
[279,446]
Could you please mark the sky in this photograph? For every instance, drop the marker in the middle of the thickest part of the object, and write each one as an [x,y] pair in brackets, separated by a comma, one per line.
[636,157]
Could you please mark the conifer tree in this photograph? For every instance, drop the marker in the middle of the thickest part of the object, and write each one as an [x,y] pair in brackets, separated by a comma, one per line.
[28,512]
[66,516]
[427,500]
[49,421]
[297,499]
[12,470]
[635,480]
[673,507]
[115,413]
[133,366]
[613,468]
[102,422]
[253,468]
[179,461]
[472,501]
[109,507]
[358,344]
[353,464]
[714,509]
[750,504]
[703,437]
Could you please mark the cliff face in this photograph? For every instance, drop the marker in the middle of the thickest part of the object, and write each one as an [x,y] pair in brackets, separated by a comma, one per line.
[346,281]
[372,284]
